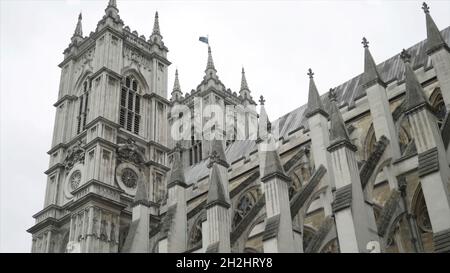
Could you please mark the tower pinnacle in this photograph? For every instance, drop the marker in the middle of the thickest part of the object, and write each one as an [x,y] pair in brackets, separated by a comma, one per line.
[244,85]
[314,102]
[79,29]
[210,64]
[156,30]
[112,9]
[415,95]
[338,132]
[371,75]
[434,37]
[176,92]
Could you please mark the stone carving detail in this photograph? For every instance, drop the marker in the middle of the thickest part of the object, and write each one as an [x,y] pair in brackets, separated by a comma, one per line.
[196,233]
[75,180]
[343,198]
[74,155]
[441,241]
[129,178]
[247,220]
[245,204]
[137,58]
[130,152]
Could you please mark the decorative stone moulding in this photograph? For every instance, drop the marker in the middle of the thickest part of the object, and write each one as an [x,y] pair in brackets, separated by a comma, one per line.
[74,179]
[127,177]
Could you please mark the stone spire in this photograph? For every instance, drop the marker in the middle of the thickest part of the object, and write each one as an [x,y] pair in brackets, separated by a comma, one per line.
[177,174]
[338,132]
[176,92]
[210,71]
[415,95]
[111,9]
[314,102]
[244,93]
[156,39]
[371,74]
[434,37]
[244,85]
[156,30]
[79,29]
[210,63]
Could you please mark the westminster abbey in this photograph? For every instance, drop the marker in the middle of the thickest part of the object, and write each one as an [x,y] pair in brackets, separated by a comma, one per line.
[362,168]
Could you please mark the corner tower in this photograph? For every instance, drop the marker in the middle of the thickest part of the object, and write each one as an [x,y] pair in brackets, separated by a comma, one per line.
[110,135]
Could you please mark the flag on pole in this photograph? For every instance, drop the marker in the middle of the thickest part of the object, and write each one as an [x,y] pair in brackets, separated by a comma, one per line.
[204,40]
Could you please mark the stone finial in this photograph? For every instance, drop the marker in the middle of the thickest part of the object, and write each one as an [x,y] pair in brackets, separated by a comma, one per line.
[79,29]
[244,85]
[405,56]
[365,42]
[434,41]
[111,9]
[310,73]
[112,3]
[370,75]
[176,84]
[156,30]
[332,94]
[210,64]
[425,8]
[314,105]
[261,100]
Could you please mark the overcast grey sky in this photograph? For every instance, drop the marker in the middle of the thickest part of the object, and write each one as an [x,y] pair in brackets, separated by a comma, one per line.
[276,42]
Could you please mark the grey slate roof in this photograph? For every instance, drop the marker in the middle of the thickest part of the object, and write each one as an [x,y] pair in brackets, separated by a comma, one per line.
[390,70]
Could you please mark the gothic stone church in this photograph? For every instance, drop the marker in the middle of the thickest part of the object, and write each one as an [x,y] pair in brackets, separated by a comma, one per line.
[363,168]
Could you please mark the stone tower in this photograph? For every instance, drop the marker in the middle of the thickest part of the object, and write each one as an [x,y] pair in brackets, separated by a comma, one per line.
[110,135]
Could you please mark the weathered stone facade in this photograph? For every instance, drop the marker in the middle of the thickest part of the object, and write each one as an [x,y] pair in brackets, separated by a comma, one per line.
[363,168]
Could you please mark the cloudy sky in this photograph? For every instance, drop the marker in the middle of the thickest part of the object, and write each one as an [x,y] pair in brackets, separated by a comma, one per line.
[276,42]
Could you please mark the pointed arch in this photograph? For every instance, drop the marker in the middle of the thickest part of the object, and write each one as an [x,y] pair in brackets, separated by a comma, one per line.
[244,203]
[195,233]
[130,71]
[78,90]
[437,102]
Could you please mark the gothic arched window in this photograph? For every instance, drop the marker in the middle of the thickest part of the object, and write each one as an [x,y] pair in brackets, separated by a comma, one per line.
[83,106]
[195,237]
[245,204]
[130,105]
[195,152]
[437,102]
